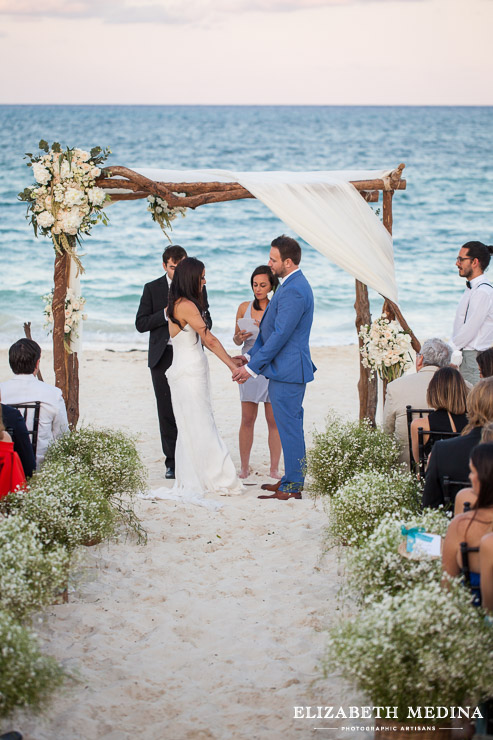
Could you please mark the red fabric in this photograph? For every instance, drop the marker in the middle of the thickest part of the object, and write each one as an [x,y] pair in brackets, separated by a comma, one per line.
[11,470]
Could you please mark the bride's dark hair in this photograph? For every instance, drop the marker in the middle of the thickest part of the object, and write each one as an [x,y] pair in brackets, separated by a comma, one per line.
[186,283]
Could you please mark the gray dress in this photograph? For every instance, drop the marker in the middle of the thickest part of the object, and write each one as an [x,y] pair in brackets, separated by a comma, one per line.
[255,390]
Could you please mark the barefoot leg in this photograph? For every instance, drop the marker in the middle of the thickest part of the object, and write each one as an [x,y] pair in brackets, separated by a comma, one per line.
[249,412]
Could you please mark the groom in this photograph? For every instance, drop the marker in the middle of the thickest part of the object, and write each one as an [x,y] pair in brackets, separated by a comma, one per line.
[281,353]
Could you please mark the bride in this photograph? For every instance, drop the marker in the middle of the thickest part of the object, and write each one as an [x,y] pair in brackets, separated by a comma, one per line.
[203,463]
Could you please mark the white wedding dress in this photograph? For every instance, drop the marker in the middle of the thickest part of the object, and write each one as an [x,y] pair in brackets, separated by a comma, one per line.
[202,461]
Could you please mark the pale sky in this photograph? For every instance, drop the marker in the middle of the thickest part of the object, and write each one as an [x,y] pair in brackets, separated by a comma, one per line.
[291,52]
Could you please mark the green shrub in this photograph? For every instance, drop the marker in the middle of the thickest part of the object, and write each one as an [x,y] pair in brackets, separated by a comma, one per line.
[28,573]
[357,508]
[27,677]
[112,459]
[68,506]
[377,568]
[426,646]
[347,448]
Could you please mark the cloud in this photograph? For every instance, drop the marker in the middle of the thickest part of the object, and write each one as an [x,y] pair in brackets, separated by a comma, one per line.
[162,11]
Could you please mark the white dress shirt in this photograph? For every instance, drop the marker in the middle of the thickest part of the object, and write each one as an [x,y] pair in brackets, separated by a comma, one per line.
[52,413]
[473,325]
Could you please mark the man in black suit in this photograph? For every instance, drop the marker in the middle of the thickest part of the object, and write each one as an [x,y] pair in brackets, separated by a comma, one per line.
[151,317]
[449,457]
[14,422]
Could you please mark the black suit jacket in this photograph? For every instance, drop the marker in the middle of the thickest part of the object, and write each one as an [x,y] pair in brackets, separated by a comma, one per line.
[150,317]
[14,423]
[448,457]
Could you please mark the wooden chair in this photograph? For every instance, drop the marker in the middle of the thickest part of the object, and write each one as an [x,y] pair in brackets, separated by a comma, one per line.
[451,488]
[410,412]
[24,408]
[433,437]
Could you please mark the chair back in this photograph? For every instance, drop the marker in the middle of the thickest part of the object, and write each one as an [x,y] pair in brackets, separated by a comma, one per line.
[410,413]
[423,454]
[451,488]
[32,428]
[466,572]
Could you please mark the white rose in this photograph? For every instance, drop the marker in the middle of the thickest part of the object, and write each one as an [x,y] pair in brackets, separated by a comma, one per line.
[73,197]
[66,329]
[70,221]
[45,219]
[82,155]
[96,196]
[41,174]
[65,170]
[95,172]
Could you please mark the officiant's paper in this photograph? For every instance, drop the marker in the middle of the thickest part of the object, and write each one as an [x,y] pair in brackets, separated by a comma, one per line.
[249,325]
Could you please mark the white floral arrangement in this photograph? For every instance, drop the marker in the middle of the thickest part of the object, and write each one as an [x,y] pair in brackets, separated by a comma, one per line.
[69,507]
[377,568]
[162,214]
[27,677]
[65,201]
[74,306]
[358,506]
[28,574]
[425,646]
[386,348]
[345,448]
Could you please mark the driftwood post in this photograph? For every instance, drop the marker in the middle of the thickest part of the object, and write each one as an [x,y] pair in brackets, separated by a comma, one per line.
[65,363]
[367,387]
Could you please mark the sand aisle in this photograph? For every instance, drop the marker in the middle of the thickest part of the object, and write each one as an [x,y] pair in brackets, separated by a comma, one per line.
[213,630]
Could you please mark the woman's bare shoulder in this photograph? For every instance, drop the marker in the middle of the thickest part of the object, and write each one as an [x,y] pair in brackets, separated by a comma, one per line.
[242,309]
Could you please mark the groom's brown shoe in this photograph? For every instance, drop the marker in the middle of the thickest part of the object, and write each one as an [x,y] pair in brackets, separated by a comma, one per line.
[283,495]
[270,486]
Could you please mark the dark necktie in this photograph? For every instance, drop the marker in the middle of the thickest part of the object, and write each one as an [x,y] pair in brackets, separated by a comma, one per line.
[468,284]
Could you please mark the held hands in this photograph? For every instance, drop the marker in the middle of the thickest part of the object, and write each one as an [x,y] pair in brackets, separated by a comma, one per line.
[241,374]
[239,360]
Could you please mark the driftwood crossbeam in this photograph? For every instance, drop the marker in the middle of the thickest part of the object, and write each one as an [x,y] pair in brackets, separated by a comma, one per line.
[116,179]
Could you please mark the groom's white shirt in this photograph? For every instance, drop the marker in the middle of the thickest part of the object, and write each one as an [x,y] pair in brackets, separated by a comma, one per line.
[52,413]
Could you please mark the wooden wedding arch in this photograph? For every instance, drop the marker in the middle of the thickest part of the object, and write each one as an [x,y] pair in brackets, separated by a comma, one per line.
[192,195]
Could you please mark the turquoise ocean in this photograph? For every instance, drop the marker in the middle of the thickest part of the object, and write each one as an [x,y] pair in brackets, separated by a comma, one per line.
[448,201]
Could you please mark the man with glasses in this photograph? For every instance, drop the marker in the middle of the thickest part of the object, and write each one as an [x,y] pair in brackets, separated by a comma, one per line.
[473,325]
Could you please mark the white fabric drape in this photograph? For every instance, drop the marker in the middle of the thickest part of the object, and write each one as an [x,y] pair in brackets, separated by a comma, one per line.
[324,209]
[74,283]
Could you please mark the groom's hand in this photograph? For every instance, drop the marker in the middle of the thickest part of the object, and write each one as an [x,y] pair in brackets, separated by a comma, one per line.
[240,360]
[241,375]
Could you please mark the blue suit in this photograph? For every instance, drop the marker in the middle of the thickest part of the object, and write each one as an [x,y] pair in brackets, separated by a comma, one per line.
[282,354]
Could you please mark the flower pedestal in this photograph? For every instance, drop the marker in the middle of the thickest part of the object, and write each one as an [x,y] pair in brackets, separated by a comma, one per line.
[406,731]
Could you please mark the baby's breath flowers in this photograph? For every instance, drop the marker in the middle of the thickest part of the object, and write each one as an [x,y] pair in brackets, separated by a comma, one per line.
[425,646]
[358,506]
[346,448]
[377,568]
[27,677]
[29,574]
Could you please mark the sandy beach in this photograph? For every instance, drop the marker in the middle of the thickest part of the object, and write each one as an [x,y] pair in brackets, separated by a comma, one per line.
[215,629]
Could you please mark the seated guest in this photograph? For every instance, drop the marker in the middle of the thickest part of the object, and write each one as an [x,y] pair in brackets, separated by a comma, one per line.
[11,471]
[485,363]
[14,421]
[450,457]
[486,571]
[447,393]
[24,387]
[472,525]
[467,495]
[410,390]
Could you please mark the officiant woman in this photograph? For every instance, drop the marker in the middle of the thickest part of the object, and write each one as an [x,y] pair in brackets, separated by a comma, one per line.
[256,390]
